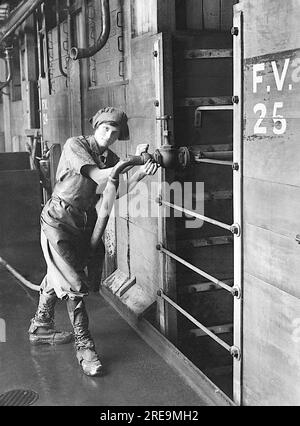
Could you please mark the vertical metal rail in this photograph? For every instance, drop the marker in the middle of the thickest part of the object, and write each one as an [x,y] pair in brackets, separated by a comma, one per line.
[158,69]
[237,191]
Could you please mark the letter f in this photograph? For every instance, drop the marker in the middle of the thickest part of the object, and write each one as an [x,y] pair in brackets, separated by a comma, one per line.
[257,78]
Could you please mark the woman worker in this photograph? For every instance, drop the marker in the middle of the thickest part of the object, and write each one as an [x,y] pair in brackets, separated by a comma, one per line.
[85,163]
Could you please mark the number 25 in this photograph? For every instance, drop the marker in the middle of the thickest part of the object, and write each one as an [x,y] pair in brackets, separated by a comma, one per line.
[277,119]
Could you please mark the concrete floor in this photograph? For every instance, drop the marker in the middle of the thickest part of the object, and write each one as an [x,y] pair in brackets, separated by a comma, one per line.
[134,374]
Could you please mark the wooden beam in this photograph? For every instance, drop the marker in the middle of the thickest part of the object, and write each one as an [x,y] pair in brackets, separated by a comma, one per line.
[208,53]
[217,329]
[203,287]
[209,103]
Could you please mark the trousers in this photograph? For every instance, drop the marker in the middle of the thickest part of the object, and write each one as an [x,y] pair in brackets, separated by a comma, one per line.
[65,239]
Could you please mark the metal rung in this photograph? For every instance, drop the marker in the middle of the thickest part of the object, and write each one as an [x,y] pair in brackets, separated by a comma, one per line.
[217,329]
[235,352]
[212,161]
[208,53]
[233,290]
[215,108]
[235,229]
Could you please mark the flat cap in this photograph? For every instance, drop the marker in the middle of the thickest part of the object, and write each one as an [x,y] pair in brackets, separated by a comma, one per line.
[112,115]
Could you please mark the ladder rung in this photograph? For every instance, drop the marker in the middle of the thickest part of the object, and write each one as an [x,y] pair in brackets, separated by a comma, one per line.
[208,53]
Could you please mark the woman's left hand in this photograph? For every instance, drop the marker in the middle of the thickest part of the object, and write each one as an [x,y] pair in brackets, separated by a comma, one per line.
[150,168]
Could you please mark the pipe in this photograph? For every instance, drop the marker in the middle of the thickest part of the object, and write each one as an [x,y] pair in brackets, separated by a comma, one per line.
[19,276]
[77,53]
[8,58]
[110,193]
[63,73]
[17,17]
[69,20]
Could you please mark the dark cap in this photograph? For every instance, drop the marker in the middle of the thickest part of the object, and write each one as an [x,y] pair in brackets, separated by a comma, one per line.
[112,115]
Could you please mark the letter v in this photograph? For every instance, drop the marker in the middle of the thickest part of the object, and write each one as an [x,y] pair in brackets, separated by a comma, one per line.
[280,80]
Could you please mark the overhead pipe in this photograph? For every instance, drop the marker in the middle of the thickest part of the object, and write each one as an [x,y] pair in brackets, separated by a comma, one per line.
[79,53]
[61,69]
[8,58]
[17,17]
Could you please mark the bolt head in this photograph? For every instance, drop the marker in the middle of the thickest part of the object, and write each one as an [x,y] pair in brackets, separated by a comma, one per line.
[235,31]
[235,99]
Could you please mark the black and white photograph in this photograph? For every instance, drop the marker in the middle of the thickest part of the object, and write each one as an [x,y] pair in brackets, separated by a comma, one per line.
[149,206]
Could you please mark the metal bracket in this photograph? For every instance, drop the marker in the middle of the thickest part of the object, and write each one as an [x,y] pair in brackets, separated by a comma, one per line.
[235,99]
[164,118]
[119,19]
[236,353]
[236,230]
[236,292]
[158,200]
[235,31]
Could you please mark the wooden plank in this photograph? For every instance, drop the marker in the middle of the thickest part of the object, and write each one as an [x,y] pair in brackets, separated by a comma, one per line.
[204,242]
[272,206]
[203,287]
[216,329]
[206,101]
[271,346]
[208,53]
[197,149]
[272,258]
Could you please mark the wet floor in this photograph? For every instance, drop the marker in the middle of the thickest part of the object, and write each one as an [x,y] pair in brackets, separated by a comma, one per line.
[134,374]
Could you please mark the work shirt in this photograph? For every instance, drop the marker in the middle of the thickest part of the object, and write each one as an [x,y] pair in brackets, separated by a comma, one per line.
[68,219]
[71,185]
